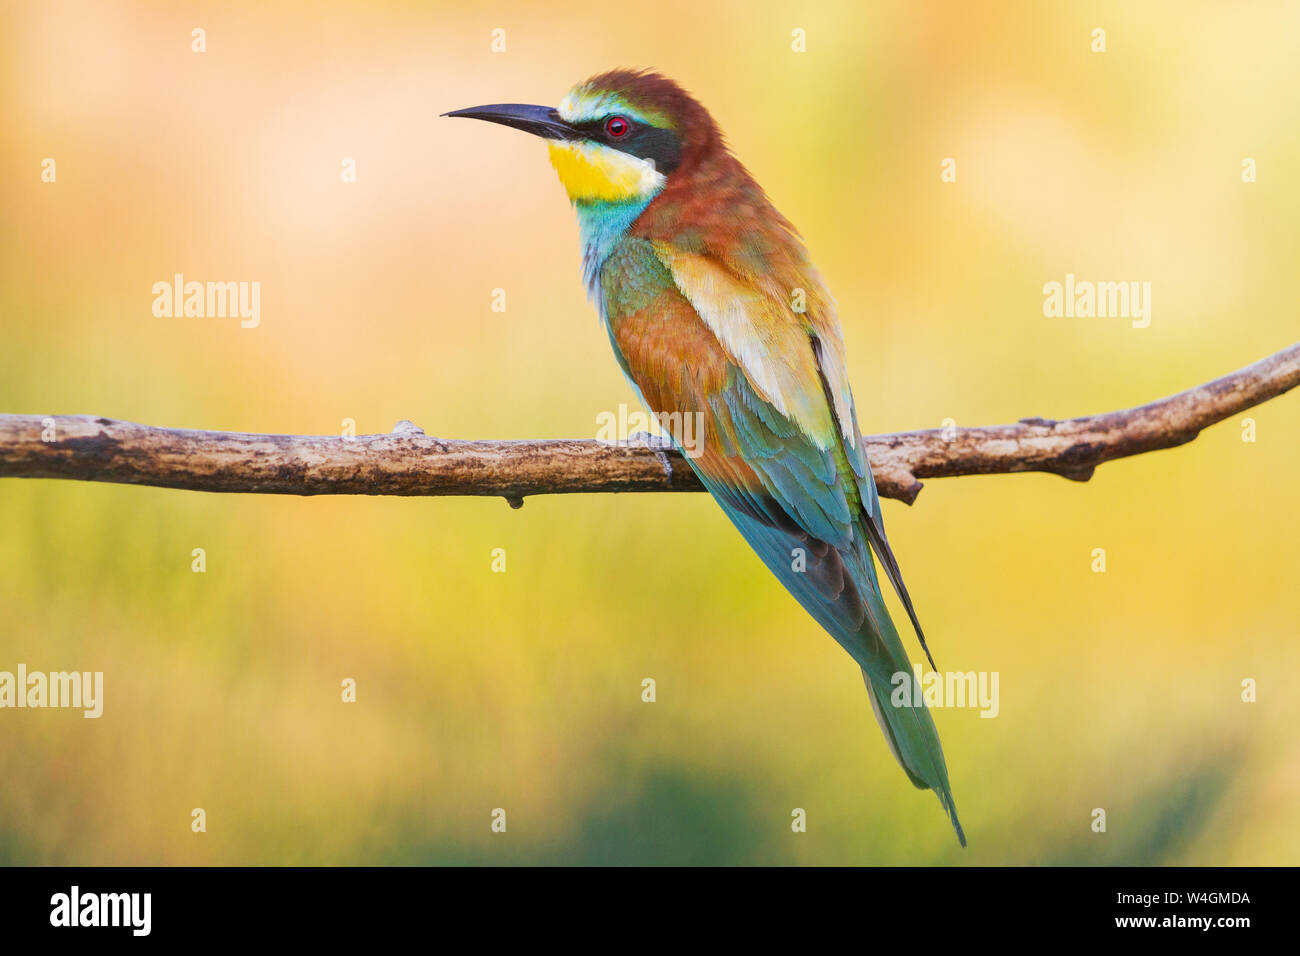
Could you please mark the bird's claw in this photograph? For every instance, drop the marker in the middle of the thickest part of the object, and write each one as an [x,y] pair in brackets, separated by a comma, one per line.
[659,444]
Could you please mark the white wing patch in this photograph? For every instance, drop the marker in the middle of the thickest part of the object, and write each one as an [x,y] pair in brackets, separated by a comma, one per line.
[774,352]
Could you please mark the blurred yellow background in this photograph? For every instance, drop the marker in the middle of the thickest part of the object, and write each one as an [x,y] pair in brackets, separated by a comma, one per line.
[521,690]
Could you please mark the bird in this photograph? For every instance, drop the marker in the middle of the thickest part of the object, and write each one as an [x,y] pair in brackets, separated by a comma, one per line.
[717,315]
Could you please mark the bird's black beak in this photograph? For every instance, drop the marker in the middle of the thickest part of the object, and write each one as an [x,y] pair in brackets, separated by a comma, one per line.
[539,120]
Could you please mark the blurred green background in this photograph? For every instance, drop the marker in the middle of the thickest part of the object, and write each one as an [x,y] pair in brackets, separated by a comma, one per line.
[522,690]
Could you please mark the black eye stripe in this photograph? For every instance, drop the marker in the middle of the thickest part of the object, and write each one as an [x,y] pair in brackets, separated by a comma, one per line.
[595,129]
[641,140]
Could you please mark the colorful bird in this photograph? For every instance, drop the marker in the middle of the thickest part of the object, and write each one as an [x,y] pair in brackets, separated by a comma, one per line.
[714,310]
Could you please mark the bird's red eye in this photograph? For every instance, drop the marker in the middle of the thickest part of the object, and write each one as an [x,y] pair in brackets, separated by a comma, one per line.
[616,126]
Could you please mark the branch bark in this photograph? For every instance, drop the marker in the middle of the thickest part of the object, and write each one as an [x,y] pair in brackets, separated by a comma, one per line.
[408,462]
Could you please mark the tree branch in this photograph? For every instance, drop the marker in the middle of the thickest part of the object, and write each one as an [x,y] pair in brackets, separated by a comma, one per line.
[408,462]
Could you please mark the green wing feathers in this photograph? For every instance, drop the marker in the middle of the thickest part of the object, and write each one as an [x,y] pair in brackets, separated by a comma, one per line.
[782,454]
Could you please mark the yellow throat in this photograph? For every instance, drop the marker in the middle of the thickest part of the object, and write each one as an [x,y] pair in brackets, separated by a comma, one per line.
[591,172]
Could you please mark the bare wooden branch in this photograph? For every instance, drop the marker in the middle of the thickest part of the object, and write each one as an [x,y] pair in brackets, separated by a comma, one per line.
[408,462]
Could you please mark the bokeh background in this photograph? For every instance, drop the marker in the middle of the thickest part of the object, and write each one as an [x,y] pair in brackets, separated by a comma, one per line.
[521,690]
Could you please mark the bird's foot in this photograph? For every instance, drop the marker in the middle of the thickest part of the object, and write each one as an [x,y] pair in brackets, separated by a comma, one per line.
[661,445]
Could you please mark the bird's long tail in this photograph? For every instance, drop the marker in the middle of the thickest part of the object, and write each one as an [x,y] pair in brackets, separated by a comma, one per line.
[857,618]
[905,720]
[915,745]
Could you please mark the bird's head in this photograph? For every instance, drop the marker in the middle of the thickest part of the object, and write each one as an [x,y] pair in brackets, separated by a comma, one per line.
[615,138]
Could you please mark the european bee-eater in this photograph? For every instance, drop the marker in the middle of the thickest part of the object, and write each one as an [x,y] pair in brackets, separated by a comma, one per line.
[713,308]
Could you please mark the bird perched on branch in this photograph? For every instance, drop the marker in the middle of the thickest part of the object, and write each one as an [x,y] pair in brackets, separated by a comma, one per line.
[717,315]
